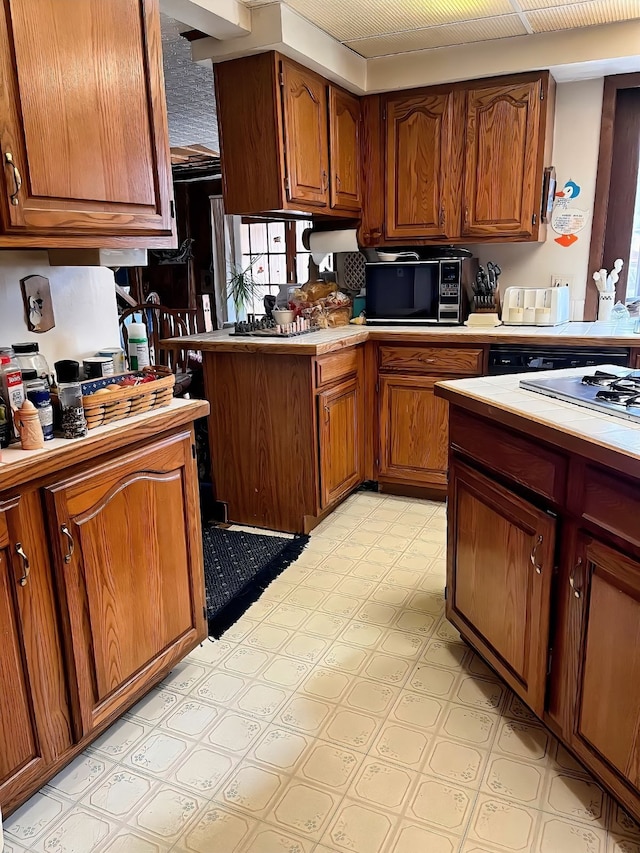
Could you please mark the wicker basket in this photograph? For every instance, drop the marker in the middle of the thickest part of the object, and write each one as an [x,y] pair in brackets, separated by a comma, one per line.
[103,409]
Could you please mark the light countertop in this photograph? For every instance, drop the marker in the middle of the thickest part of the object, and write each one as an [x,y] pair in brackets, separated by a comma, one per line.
[332,340]
[18,466]
[496,396]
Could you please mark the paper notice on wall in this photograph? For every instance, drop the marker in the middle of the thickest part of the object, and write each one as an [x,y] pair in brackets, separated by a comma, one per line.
[567,219]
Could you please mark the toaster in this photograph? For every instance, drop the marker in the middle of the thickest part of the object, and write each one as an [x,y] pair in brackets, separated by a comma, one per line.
[536,306]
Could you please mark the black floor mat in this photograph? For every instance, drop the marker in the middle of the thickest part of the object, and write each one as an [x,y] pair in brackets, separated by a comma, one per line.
[238,567]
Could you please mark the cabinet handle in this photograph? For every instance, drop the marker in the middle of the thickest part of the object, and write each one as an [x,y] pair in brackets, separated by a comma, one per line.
[466,216]
[577,591]
[442,216]
[17,178]
[534,554]
[326,415]
[71,545]
[26,568]
[338,183]
[325,180]
[376,234]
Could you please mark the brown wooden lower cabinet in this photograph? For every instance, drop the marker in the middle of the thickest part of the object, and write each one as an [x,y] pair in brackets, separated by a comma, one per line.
[98,604]
[606,648]
[341,441]
[414,430]
[499,585]
[547,589]
[35,723]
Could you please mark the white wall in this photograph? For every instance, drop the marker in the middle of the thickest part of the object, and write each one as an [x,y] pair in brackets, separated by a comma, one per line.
[575,156]
[84,305]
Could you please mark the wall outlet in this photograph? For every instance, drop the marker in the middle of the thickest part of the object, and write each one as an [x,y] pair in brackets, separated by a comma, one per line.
[561,280]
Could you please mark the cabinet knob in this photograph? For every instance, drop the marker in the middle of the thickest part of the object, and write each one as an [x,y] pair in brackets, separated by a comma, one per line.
[17,178]
[534,554]
[26,568]
[577,590]
[70,543]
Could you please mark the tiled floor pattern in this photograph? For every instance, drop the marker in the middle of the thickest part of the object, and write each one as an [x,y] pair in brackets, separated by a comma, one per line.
[342,713]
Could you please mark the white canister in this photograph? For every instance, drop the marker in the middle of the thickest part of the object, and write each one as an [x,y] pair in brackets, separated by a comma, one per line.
[606,301]
[138,346]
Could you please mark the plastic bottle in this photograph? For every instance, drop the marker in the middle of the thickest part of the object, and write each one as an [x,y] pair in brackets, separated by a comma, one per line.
[138,346]
[11,385]
[37,390]
[29,357]
[73,424]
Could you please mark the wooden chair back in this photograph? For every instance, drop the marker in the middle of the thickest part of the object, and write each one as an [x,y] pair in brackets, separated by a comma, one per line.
[162,323]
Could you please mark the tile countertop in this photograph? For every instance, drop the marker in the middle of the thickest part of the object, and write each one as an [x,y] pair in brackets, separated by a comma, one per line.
[575,428]
[332,340]
[18,466]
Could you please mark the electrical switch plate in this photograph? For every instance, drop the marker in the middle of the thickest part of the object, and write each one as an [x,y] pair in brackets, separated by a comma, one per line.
[561,280]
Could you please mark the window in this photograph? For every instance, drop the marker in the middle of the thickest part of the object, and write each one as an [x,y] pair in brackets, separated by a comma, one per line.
[274,248]
[616,216]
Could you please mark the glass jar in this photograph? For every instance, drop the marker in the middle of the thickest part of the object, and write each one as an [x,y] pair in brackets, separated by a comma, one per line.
[11,387]
[29,357]
[37,390]
[73,423]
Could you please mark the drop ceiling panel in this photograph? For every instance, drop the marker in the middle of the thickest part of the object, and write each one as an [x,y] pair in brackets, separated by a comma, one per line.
[443,36]
[586,14]
[346,20]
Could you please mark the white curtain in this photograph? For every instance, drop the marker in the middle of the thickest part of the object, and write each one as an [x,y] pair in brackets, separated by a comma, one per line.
[226,252]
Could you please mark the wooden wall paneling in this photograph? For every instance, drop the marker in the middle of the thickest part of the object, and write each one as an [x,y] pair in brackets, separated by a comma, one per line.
[263,432]
[612,85]
[250,120]
[94,156]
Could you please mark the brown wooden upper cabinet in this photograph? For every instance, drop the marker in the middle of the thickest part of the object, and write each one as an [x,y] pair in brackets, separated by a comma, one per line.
[502,174]
[83,127]
[420,178]
[289,140]
[459,163]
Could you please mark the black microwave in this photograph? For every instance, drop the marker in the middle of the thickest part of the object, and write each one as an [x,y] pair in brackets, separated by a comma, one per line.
[422,292]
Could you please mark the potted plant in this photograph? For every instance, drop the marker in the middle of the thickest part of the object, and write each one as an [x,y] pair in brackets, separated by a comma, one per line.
[242,288]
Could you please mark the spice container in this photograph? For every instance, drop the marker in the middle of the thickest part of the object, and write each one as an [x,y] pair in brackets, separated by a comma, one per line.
[29,357]
[37,391]
[98,366]
[73,423]
[117,354]
[11,386]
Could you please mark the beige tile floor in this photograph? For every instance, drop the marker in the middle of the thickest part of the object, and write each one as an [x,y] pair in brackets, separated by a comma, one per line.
[341,713]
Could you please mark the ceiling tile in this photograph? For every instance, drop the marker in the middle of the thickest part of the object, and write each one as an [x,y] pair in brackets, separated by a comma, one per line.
[346,20]
[585,14]
[451,34]
[528,5]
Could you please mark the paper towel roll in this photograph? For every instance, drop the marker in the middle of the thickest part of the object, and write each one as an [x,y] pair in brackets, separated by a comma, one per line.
[323,243]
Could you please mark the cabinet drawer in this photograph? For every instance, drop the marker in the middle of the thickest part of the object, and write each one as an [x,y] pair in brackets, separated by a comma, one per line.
[610,502]
[431,360]
[339,365]
[537,468]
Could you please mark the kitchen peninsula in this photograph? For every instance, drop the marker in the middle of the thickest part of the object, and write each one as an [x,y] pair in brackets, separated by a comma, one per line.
[102,588]
[543,574]
[297,424]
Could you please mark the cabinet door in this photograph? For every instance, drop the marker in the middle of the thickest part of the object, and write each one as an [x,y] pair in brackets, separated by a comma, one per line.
[501,551]
[84,125]
[420,163]
[606,589]
[414,430]
[34,718]
[501,191]
[304,99]
[129,555]
[344,127]
[341,441]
